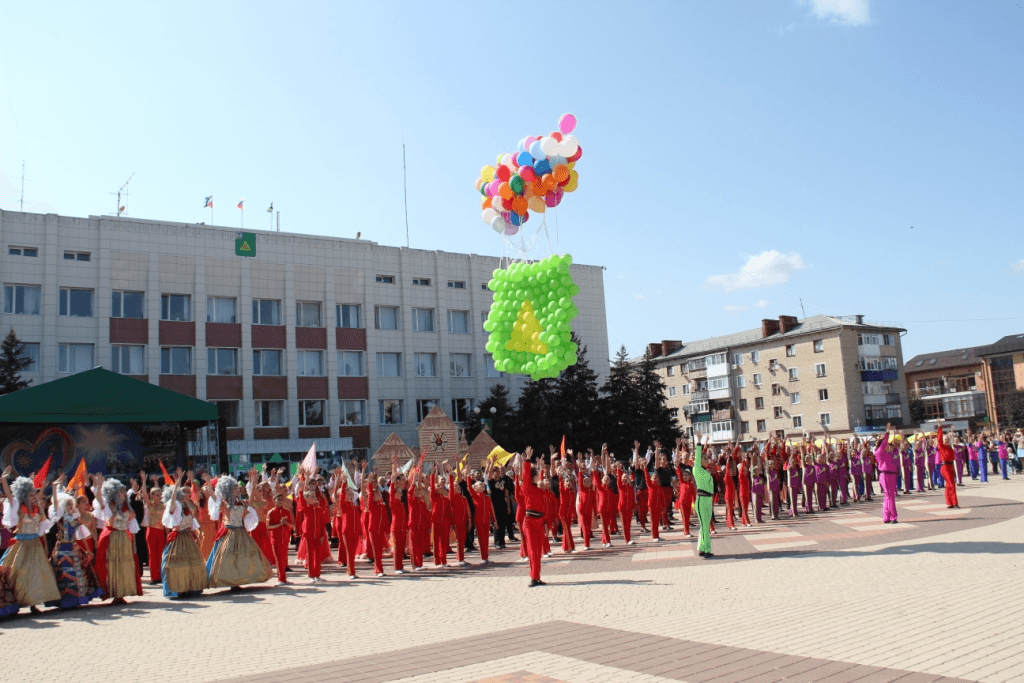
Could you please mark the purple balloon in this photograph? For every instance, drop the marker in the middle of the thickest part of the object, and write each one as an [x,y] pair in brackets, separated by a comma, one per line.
[511,230]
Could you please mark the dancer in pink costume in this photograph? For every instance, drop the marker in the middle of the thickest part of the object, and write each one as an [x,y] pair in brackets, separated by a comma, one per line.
[886,455]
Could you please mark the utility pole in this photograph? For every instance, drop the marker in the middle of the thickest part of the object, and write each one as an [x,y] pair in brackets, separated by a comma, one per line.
[21,202]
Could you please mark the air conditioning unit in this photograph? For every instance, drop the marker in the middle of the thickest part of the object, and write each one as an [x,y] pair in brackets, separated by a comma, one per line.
[735,366]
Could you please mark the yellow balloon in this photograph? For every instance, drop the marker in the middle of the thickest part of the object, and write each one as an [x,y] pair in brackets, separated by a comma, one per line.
[574,181]
[537,204]
[571,165]
[487,174]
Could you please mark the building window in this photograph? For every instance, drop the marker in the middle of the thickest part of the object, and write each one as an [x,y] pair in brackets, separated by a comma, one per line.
[266,362]
[309,363]
[744,427]
[489,369]
[76,303]
[671,391]
[868,339]
[423,320]
[462,409]
[757,379]
[714,359]
[221,361]
[77,256]
[128,305]
[176,307]
[386,279]
[795,397]
[389,365]
[311,413]
[176,360]
[350,363]
[790,350]
[266,312]
[686,390]
[718,383]
[460,365]
[793,375]
[670,371]
[426,364]
[776,389]
[385,317]
[822,394]
[819,345]
[347,315]
[30,350]
[773,365]
[307,314]
[22,299]
[798,421]
[825,419]
[23,251]
[743,404]
[695,364]
[759,402]
[421,281]
[755,356]
[424,406]
[777,411]
[72,358]
[737,359]
[819,369]
[458,284]
[269,413]
[353,413]
[762,426]
[888,340]
[220,310]
[390,411]
[227,412]
[741,381]
[483,285]
[458,322]
[128,360]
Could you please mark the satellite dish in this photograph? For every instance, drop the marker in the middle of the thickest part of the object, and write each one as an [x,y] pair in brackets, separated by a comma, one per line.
[121,210]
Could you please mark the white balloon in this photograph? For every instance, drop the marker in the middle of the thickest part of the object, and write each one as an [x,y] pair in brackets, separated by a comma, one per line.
[568,146]
[498,224]
[489,215]
[549,146]
[557,160]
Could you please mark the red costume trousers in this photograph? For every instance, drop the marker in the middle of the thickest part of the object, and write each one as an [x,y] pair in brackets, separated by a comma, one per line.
[533,533]
[460,539]
[568,545]
[950,476]
[627,523]
[745,505]
[440,533]
[281,552]
[730,507]
[398,531]
[155,539]
[586,527]
[686,508]
[656,508]
[641,509]
[607,518]
[483,532]
[313,558]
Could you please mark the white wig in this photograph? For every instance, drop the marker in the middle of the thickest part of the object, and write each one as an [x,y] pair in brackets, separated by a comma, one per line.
[166,494]
[21,489]
[111,487]
[226,486]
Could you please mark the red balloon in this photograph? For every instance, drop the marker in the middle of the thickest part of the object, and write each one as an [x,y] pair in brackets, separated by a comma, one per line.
[577,155]
[528,174]
[506,204]
[556,135]
[504,173]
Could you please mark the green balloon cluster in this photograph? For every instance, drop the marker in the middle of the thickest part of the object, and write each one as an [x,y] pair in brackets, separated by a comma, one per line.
[530,321]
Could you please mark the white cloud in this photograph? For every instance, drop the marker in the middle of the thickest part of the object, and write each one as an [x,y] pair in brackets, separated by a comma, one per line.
[760,303]
[767,269]
[639,297]
[848,12]
[739,308]
[1019,266]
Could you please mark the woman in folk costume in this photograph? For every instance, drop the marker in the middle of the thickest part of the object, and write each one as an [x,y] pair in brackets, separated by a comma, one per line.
[152,522]
[182,569]
[201,496]
[236,559]
[25,560]
[75,579]
[117,563]
[260,497]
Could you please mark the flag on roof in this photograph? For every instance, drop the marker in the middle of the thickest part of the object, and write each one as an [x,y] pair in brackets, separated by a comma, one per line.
[209,202]
[271,209]
[240,202]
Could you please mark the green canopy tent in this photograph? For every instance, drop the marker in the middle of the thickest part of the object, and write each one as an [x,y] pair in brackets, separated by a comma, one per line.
[101,396]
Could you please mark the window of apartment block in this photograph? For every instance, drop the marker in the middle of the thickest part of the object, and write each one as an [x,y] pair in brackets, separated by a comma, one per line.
[819,345]
[72,358]
[128,305]
[269,413]
[759,403]
[227,412]
[718,383]
[385,317]
[888,340]
[819,369]
[311,413]
[822,394]
[424,406]
[128,359]
[737,359]
[23,251]
[773,364]
[776,389]
[790,350]
[458,284]
[176,360]
[176,307]
[670,371]
[755,356]
[389,365]
[353,412]
[22,299]
[389,411]
[220,309]
[868,339]
[386,279]
[825,419]
[267,362]
[309,363]
[798,421]
[30,350]
[76,303]
[266,312]
[460,364]
[757,379]
[744,427]
[762,426]
[350,363]
[426,364]
[777,412]
[671,391]
[741,381]
[714,359]
[489,369]
[77,256]
[458,322]
[221,361]
[421,281]
[743,404]
[795,397]
[307,314]
[462,409]
[348,315]
[794,375]
[423,320]
[483,285]
[686,389]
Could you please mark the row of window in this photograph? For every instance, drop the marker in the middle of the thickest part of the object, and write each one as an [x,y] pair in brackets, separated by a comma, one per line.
[424,282]
[312,413]
[824,419]
[739,358]
[740,381]
[34,252]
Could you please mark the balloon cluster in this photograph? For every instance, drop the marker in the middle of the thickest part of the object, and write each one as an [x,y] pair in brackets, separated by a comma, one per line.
[533,178]
[531,318]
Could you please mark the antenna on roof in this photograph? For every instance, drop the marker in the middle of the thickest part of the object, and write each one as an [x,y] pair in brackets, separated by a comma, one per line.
[21,202]
[802,308]
[121,208]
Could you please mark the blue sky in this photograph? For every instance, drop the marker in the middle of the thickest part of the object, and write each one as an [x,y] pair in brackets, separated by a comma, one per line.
[862,156]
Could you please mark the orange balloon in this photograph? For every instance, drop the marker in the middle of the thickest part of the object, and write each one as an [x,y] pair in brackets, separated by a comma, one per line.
[505,190]
[538,188]
[561,173]
[486,203]
[549,182]
[519,205]
[537,205]
[528,191]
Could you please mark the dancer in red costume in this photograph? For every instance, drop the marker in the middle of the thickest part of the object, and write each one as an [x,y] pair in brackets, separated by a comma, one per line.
[483,514]
[586,505]
[533,525]
[460,517]
[419,520]
[627,503]
[605,504]
[346,512]
[440,520]
[377,522]
[279,526]
[397,494]
[566,503]
[117,563]
[948,459]
[152,522]
[653,493]
[312,507]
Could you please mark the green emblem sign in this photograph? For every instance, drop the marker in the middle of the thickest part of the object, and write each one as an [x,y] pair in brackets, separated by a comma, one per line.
[245,244]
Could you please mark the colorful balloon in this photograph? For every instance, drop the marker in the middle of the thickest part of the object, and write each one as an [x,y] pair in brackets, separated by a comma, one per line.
[567,124]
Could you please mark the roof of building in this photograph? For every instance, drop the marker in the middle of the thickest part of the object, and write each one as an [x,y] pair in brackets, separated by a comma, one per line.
[393,446]
[481,447]
[1012,343]
[815,323]
[940,360]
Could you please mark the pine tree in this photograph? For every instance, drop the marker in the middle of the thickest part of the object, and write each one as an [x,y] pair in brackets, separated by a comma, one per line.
[619,409]
[577,404]
[535,421]
[501,418]
[13,361]
[656,419]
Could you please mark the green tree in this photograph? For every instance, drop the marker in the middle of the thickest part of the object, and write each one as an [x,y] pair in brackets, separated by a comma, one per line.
[576,404]
[916,405]
[656,420]
[1015,409]
[535,421]
[501,425]
[13,361]
[619,407]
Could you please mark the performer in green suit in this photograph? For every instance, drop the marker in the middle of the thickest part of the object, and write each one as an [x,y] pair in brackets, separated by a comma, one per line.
[705,492]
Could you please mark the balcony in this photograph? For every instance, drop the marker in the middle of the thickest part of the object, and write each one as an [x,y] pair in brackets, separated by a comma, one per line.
[722,415]
[892,399]
[718,370]
[697,373]
[699,395]
[696,407]
[719,394]
[879,375]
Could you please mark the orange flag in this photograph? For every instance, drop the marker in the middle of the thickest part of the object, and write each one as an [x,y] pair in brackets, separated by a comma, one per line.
[41,477]
[167,477]
[561,449]
[77,482]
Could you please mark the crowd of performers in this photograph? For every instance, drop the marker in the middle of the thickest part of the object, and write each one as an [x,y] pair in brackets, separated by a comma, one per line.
[65,549]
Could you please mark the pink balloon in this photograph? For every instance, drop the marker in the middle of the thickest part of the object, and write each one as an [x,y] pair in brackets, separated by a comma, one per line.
[530,140]
[511,229]
[527,173]
[492,188]
[551,200]
[567,124]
